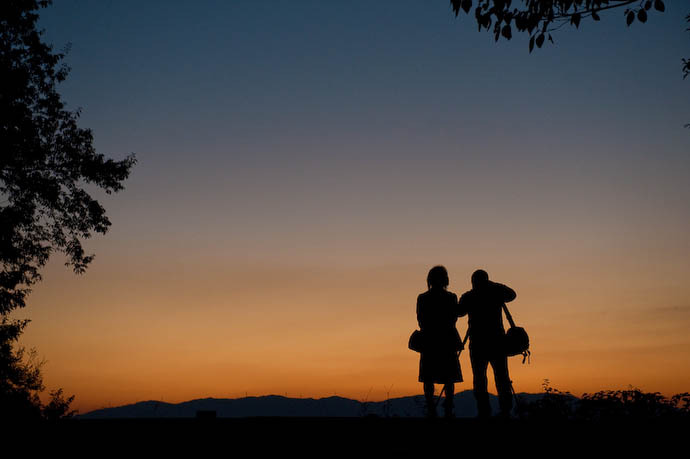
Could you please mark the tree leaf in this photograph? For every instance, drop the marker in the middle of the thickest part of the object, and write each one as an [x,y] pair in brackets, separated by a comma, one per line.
[575,19]
[648,5]
[531,43]
[631,17]
[456,6]
[540,40]
[466,5]
[642,16]
[506,32]
[659,5]
[519,23]
[595,16]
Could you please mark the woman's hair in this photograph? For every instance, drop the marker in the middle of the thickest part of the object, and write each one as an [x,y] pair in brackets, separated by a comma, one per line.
[437,277]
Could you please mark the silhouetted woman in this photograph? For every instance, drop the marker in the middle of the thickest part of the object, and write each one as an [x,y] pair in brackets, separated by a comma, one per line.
[437,313]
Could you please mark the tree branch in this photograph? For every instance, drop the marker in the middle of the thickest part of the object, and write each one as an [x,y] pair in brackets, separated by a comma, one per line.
[591,9]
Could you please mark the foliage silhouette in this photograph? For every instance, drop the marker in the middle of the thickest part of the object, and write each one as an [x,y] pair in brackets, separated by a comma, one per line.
[553,405]
[629,405]
[541,17]
[21,381]
[686,62]
[20,375]
[47,162]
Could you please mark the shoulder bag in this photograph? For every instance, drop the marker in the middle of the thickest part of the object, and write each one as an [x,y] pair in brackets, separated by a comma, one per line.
[516,340]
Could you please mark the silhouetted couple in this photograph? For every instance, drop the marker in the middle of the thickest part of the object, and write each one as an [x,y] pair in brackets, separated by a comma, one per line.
[437,313]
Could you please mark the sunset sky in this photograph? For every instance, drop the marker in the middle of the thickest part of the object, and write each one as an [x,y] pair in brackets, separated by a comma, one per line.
[302,165]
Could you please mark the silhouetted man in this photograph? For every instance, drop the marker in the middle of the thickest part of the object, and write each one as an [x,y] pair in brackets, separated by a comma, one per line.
[484,307]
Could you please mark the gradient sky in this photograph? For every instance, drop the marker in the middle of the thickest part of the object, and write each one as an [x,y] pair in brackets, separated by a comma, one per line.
[302,164]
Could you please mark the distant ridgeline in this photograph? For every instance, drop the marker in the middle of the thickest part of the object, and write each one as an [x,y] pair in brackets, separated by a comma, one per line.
[274,405]
[629,405]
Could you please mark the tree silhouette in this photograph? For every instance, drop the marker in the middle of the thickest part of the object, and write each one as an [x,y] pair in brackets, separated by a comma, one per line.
[541,17]
[46,162]
[686,62]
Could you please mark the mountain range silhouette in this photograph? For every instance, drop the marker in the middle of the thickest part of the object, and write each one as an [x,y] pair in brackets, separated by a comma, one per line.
[278,406]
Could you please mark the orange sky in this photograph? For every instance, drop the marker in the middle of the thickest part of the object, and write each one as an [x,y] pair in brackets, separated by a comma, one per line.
[176,327]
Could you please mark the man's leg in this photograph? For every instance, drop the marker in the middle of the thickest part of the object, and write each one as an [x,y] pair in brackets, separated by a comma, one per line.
[503,384]
[481,395]
[448,402]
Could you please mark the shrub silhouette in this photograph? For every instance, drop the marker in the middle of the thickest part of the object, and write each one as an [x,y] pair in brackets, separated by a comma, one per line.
[609,405]
[631,405]
[58,407]
[554,404]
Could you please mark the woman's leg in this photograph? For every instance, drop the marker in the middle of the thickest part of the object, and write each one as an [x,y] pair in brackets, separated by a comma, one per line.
[429,395]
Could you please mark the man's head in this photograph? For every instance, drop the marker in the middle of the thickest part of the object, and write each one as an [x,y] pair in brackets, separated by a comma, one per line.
[480,278]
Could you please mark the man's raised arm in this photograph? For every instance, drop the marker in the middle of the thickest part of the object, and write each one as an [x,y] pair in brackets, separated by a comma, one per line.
[506,293]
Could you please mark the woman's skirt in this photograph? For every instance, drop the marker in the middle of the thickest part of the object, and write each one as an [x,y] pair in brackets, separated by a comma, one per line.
[440,367]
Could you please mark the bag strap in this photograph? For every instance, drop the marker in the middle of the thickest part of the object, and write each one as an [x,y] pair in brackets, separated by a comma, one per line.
[508,316]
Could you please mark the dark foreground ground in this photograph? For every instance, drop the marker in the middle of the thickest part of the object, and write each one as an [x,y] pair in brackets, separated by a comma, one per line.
[367,437]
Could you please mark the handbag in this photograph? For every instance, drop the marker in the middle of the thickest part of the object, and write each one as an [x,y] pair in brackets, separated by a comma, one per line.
[516,340]
[416,342]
